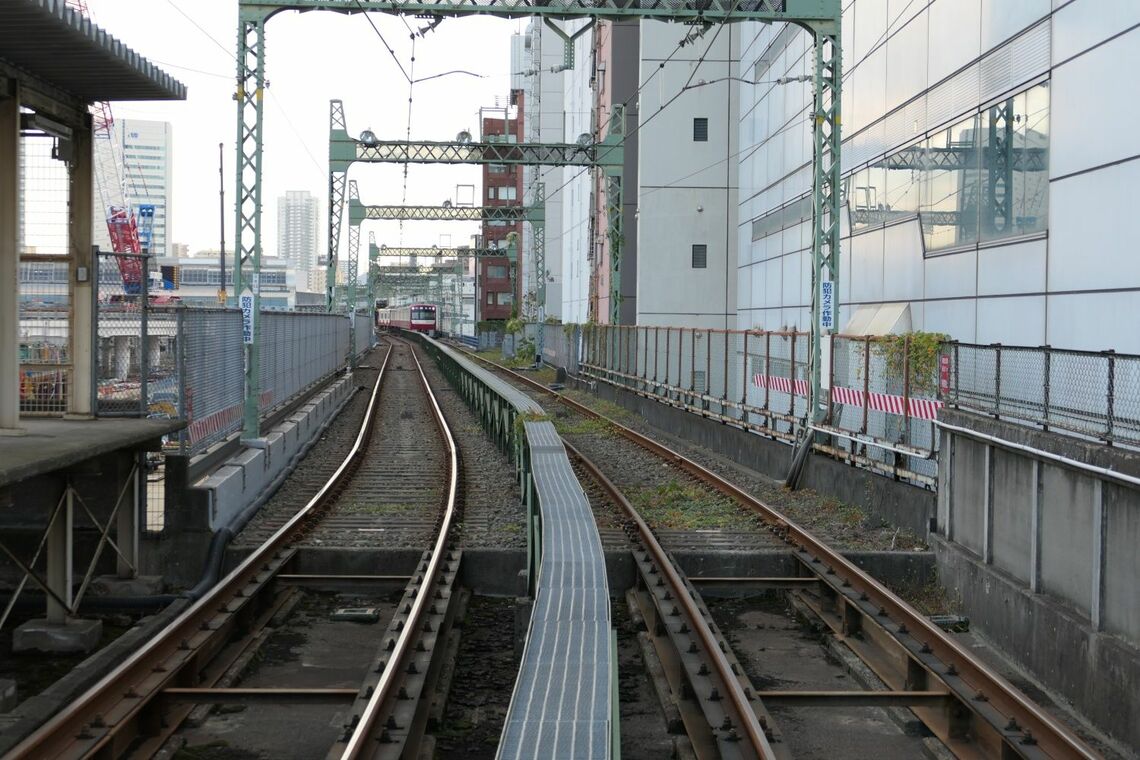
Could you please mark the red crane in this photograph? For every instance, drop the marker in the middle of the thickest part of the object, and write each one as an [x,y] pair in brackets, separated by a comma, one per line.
[122,227]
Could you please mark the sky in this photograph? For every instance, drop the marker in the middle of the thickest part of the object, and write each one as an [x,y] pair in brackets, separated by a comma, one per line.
[310,59]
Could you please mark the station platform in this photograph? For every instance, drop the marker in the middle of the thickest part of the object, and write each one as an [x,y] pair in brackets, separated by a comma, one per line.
[54,444]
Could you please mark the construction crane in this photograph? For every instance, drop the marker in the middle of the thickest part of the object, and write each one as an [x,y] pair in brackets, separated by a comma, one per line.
[122,226]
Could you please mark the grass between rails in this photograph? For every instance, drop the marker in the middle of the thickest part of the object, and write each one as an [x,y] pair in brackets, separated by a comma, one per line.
[684,506]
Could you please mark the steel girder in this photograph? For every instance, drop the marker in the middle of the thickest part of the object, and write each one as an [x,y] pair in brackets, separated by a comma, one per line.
[247,249]
[820,17]
[827,192]
[337,179]
[812,13]
[966,157]
[440,253]
[344,150]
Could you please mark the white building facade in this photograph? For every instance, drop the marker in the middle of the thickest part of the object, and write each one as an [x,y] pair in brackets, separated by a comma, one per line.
[687,177]
[577,245]
[985,172]
[148,155]
[536,58]
[298,232]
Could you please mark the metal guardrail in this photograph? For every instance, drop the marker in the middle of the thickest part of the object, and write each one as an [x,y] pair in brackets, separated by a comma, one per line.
[1089,393]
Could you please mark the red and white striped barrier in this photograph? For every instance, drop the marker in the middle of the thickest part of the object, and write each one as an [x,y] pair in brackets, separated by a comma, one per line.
[919,408]
[780,384]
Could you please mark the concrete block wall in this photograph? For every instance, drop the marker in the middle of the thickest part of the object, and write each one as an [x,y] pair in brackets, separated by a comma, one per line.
[1057,530]
[245,476]
[1043,558]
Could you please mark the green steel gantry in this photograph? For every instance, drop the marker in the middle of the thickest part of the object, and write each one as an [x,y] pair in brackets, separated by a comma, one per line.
[608,155]
[358,213]
[820,17]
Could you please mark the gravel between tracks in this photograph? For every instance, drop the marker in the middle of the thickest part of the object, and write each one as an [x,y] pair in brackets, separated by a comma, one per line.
[843,526]
[323,458]
[493,514]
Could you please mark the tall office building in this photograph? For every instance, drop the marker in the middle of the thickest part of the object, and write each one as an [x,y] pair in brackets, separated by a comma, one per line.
[298,228]
[147,173]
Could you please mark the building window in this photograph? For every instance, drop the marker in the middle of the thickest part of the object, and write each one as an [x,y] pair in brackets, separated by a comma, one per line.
[700,256]
[982,179]
[496,272]
[700,129]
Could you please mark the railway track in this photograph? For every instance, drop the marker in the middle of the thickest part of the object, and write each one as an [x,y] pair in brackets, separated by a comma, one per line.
[970,708]
[136,707]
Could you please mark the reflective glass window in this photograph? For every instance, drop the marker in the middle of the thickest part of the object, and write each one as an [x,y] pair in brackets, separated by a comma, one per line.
[949,210]
[1015,164]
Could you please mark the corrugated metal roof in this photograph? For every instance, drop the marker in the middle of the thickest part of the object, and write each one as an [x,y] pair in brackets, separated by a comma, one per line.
[63,48]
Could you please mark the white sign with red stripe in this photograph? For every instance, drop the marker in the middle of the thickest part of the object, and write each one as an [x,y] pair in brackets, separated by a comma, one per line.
[919,408]
[780,384]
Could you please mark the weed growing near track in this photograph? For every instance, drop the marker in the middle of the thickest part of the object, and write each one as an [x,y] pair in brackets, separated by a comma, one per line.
[683,506]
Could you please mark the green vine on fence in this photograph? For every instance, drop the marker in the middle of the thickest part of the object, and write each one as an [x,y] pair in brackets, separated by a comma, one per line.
[919,352]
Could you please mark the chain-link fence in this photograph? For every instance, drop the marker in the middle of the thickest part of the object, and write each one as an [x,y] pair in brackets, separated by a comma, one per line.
[883,392]
[1094,394]
[127,347]
[752,378]
[365,332]
[45,334]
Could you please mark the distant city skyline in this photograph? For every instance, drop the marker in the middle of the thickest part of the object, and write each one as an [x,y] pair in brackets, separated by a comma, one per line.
[195,43]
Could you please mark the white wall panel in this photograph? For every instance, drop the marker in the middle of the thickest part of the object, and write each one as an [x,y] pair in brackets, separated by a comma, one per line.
[952,276]
[1084,23]
[1018,268]
[955,318]
[772,271]
[1001,19]
[1090,245]
[949,52]
[906,60]
[1093,109]
[903,266]
[867,267]
[870,80]
[1095,321]
[790,293]
[1016,321]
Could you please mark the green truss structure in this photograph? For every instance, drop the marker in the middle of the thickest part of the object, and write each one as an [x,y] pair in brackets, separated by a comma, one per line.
[821,18]
[608,155]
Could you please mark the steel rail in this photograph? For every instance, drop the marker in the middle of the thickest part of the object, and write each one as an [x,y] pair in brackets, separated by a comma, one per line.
[746,717]
[394,667]
[92,722]
[1041,732]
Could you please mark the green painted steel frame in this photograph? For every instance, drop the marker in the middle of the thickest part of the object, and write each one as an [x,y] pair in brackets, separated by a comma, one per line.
[820,17]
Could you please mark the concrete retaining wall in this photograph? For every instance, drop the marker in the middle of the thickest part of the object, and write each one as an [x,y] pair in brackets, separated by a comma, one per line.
[888,500]
[237,483]
[1044,559]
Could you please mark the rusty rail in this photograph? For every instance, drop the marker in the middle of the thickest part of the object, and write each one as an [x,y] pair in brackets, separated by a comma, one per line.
[745,716]
[363,742]
[1005,722]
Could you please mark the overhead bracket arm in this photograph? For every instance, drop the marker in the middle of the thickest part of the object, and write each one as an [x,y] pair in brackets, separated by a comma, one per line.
[567,40]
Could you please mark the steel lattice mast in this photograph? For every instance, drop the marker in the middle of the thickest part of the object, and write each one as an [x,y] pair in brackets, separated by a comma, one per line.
[821,18]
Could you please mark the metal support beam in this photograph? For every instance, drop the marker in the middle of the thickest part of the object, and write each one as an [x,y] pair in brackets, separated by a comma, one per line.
[59,561]
[337,177]
[615,225]
[711,11]
[352,276]
[538,244]
[247,248]
[81,278]
[440,253]
[826,206]
[9,260]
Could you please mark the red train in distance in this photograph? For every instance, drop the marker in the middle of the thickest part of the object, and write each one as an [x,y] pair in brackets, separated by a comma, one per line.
[417,317]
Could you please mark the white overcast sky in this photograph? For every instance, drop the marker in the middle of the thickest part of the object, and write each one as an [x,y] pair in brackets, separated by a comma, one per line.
[310,59]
